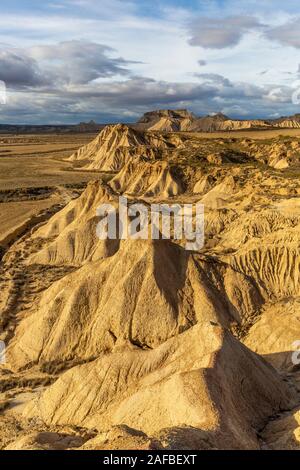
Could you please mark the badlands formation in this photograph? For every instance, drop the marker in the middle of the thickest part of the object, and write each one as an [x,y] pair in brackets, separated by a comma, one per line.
[141,344]
[183,120]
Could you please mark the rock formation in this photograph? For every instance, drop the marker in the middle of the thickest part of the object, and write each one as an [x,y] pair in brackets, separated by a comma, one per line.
[183,120]
[145,179]
[142,344]
[203,379]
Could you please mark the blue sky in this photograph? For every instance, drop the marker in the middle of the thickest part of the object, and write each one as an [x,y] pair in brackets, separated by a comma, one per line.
[112,60]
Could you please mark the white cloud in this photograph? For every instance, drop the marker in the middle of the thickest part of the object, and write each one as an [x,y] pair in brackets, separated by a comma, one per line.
[79,61]
[220,33]
[117,100]
[57,64]
[287,34]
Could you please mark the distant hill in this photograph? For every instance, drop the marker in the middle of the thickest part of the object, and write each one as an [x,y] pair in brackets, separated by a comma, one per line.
[91,126]
[288,121]
[165,120]
[183,120]
[84,127]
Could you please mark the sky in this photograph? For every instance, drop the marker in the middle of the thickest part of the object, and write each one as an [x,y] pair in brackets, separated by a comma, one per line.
[111,60]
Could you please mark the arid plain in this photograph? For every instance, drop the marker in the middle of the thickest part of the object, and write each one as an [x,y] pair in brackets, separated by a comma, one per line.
[123,344]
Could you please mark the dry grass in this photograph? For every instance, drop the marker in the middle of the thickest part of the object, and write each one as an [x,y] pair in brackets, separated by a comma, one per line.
[263,134]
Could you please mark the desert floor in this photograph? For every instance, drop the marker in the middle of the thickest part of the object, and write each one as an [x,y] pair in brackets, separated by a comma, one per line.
[34,176]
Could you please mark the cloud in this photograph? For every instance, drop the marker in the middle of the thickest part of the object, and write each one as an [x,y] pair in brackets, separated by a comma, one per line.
[217,33]
[116,100]
[70,62]
[143,92]
[279,95]
[214,78]
[18,69]
[126,99]
[286,34]
[77,80]
[79,61]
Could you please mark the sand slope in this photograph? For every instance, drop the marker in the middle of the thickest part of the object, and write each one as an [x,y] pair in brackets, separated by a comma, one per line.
[202,379]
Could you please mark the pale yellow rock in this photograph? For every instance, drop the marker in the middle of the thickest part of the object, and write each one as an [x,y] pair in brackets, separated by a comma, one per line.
[202,378]
[273,263]
[219,195]
[146,293]
[203,185]
[118,144]
[166,125]
[144,179]
[70,237]
[281,164]
[109,150]
[274,334]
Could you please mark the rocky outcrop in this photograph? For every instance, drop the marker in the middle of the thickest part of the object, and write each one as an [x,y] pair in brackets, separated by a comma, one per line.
[202,379]
[144,179]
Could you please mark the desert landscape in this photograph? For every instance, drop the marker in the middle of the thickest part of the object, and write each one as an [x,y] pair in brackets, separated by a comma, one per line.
[142,344]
